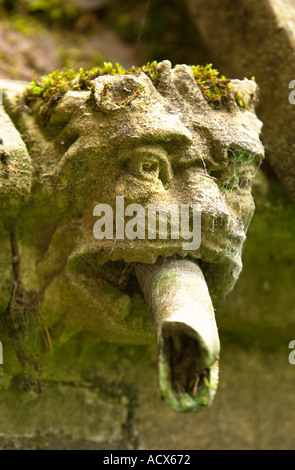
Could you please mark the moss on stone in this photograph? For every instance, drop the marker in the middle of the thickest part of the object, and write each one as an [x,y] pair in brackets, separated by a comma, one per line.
[242,156]
[50,88]
[186,401]
[216,89]
[53,86]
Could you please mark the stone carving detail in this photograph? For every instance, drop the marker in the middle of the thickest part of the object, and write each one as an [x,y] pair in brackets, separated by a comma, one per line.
[153,143]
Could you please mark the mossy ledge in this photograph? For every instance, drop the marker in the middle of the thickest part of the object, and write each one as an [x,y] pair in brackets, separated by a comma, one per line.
[50,88]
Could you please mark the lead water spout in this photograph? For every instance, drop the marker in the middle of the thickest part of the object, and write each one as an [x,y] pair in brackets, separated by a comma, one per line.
[183,315]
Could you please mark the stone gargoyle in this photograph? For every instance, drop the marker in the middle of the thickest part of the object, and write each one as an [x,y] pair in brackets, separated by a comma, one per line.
[127,142]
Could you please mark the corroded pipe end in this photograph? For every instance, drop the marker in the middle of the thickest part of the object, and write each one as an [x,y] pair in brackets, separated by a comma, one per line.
[188,381]
[186,331]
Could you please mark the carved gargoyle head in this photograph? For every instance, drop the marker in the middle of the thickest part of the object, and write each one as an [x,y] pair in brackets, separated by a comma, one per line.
[127,141]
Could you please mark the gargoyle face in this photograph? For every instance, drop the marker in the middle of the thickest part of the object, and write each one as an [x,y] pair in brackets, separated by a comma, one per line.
[148,144]
[163,145]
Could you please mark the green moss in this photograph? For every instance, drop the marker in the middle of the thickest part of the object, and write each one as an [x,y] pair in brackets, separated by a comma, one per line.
[50,88]
[53,86]
[240,156]
[240,100]
[186,401]
[150,69]
[237,175]
[165,280]
[238,172]
[5,380]
[216,89]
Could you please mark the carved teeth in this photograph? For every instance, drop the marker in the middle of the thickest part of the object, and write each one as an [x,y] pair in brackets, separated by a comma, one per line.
[186,332]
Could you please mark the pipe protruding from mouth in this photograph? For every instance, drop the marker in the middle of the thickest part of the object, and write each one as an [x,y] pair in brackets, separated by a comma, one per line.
[183,316]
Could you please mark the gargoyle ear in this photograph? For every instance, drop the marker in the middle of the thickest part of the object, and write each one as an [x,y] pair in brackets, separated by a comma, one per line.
[246,93]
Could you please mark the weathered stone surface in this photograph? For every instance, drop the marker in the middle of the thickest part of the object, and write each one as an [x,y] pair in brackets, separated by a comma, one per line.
[254,406]
[81,147]
[15,186]
[15,168]
[247,38]
[65,417]
[157,142]
[6,274]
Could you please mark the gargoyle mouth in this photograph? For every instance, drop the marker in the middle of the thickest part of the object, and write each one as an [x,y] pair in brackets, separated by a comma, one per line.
[177,286]
[179,302]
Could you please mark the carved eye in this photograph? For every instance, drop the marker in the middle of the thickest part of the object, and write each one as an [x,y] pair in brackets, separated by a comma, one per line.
[149,168]
[148,162]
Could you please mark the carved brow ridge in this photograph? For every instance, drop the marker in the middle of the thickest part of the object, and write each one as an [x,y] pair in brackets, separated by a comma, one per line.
[170,141]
